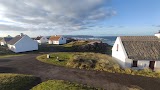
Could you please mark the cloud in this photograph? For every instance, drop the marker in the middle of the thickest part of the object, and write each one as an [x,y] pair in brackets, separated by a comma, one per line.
[63,15]
[156,25]
[10,27]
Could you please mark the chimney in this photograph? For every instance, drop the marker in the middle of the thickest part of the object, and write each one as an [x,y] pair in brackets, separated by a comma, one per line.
[157,34]
[21,34]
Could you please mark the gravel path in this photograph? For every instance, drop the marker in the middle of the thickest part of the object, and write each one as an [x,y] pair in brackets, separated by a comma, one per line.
[28,64]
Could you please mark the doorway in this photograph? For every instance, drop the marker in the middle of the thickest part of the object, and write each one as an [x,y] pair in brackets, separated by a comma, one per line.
[151,65]
[134,64]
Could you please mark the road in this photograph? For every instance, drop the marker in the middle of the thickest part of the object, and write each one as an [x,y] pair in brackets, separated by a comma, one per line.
[28,64]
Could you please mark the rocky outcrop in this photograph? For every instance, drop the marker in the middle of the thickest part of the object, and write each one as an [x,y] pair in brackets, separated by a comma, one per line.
[94,46]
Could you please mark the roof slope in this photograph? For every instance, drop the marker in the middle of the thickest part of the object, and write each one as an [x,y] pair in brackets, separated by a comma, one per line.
[142,47]
[7,39]
[55,38]
[15,39]
[38,38]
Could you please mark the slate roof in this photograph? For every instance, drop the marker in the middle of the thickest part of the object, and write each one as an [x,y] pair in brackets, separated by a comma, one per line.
[38,38]
[55,38]
[142,47]
[7,39]
[15,39]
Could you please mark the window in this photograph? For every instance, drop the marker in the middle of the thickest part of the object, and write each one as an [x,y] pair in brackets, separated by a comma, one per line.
[134,64]
[117,47]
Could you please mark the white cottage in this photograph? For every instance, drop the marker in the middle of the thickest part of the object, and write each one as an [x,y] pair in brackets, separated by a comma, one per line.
[57,40]
[137,52]
[5,40]
[22,43]
[41,39]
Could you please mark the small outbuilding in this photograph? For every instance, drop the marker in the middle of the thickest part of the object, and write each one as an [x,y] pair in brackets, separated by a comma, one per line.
[22,43]
[57,39]
[137,52]
[41,39]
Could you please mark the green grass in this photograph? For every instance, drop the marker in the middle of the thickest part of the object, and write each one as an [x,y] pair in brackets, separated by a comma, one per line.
[62,85]
[62,58]
[17,81]
[94,61]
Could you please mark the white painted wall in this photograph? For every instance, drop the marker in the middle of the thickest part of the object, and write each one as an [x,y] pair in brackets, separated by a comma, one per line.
[143,64]
[62,40]
[24,44]
[120,55]
[50,42]
[3,43]
[55,42]
[158,35]
[157,64]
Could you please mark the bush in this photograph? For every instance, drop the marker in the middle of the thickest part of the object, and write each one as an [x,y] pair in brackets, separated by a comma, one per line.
[116,67]
[128,70]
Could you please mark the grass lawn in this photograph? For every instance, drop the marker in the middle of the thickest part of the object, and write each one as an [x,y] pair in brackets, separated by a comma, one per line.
[92,61]
[17,81]
[63,58]
[62,85]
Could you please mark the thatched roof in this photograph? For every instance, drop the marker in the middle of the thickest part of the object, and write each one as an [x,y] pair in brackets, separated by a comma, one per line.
[142,47]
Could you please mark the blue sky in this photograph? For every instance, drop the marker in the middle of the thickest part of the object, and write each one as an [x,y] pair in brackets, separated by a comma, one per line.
[80,17]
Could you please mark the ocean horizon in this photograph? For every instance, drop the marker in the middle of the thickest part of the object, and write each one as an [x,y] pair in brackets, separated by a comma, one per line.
[105,39]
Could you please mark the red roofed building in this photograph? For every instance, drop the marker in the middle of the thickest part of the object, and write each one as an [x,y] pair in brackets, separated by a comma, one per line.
[57,39]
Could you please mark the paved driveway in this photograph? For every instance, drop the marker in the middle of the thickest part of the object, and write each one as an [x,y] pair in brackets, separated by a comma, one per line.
[29,65]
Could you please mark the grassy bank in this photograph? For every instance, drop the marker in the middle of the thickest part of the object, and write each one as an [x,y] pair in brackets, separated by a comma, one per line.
[17,81]
[93,61]
[62,85]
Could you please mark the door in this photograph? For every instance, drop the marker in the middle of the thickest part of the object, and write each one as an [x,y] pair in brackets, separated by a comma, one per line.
[134,64]
[151,65]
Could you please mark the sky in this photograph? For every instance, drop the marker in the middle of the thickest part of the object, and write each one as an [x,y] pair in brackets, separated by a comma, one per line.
[79,17]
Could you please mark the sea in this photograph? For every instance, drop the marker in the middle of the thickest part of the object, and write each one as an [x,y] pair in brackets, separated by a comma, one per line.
[105,39]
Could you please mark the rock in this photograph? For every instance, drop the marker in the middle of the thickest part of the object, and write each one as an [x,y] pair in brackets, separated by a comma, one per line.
[94,46]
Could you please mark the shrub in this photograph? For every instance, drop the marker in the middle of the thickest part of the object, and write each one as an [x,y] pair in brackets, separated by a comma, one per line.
[116,67]
[147,70]
[128,70]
